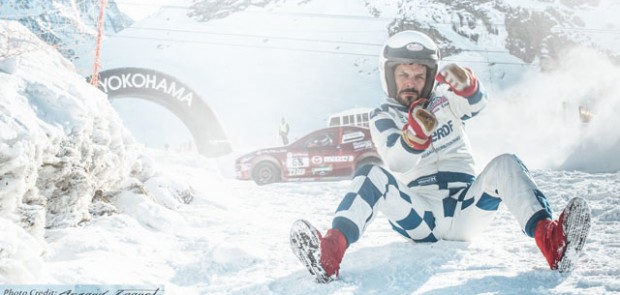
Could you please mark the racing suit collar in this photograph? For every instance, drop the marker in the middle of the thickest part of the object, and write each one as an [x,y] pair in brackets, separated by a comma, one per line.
[394,103]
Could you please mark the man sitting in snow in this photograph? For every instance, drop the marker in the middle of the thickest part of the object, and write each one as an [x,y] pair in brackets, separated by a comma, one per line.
[428,189]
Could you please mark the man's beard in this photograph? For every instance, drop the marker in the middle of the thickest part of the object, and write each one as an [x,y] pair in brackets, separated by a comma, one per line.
[408,95]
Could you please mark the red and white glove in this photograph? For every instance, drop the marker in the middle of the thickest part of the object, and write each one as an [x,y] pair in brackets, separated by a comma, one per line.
[462,81]
[420,126]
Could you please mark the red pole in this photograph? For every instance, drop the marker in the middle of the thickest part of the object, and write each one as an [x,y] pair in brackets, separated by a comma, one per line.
[95,78]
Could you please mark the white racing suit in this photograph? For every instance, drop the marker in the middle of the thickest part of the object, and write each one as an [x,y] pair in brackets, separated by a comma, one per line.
[434,194]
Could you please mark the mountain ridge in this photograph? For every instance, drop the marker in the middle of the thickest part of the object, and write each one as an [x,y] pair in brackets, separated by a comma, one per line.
[68,26]
[535,31]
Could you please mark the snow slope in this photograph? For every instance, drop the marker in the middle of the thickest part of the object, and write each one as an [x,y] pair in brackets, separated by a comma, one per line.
[233,239]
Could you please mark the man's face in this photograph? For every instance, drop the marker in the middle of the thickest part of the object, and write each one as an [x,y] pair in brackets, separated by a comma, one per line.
[410,80]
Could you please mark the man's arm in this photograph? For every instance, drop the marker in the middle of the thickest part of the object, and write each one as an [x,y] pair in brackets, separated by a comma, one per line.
[387,134]
[463,83]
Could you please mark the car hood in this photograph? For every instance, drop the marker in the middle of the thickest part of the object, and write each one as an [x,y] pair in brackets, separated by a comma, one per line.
[264,151]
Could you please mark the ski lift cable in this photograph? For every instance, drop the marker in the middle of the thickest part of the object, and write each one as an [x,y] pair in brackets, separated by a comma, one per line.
[373,55]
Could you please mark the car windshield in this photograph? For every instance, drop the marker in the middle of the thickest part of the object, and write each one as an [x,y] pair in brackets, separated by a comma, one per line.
[321,140]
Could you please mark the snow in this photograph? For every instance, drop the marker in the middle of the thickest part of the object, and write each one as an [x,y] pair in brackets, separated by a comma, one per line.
[81,202]
[232,239]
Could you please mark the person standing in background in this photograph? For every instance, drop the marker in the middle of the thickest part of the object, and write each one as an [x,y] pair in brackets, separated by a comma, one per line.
[284,131]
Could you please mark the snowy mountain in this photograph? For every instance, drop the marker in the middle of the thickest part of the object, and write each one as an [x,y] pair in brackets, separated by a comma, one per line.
[532,30]
[70,26]
[82,203]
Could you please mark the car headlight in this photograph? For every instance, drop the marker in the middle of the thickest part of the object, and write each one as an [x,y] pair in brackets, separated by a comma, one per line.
[243,166]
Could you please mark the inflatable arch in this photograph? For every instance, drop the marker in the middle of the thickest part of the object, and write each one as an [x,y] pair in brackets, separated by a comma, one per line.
[172,94]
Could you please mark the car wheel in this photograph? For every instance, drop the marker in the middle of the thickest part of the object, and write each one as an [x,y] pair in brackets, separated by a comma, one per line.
[265,173]
[368,161]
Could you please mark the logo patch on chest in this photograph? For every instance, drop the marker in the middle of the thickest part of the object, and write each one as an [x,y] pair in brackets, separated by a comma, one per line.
[440,101]
[442,131]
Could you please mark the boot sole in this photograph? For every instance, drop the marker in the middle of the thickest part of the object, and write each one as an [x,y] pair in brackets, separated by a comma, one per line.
[306,245]
[576,228]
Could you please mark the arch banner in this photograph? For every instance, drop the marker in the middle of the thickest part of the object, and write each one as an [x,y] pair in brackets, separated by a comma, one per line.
[174,95]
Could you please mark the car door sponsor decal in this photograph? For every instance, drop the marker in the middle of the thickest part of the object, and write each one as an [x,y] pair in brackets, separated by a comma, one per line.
[296,172]
[338,159]
[297,160]
[323,170]
[362,145]
[317,160]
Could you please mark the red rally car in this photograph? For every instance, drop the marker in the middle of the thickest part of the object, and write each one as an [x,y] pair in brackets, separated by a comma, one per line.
[332,153]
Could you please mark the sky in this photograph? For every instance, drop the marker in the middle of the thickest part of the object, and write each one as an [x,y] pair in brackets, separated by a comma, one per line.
[138,10]
[180,220]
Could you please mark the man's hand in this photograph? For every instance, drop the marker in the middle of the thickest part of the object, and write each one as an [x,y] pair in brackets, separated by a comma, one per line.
[462,81]
[420,126]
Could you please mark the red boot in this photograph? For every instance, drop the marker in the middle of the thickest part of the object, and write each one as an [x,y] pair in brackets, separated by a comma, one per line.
[561,240]
[321,255]
[333,245]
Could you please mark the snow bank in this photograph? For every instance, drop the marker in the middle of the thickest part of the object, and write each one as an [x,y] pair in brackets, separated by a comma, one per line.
[61,141]
[65,155]
[20,258]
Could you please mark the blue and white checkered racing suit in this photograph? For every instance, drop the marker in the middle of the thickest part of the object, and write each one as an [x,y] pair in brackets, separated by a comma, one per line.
[434,194]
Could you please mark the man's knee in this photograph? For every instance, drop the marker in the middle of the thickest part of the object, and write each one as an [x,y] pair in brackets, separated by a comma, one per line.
[508,161]
[504,158]
[365,169]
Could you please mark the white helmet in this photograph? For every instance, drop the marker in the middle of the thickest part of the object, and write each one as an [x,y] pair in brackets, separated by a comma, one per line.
[408,47]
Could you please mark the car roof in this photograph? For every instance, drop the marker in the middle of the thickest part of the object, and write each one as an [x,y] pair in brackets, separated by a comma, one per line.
[343,127]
